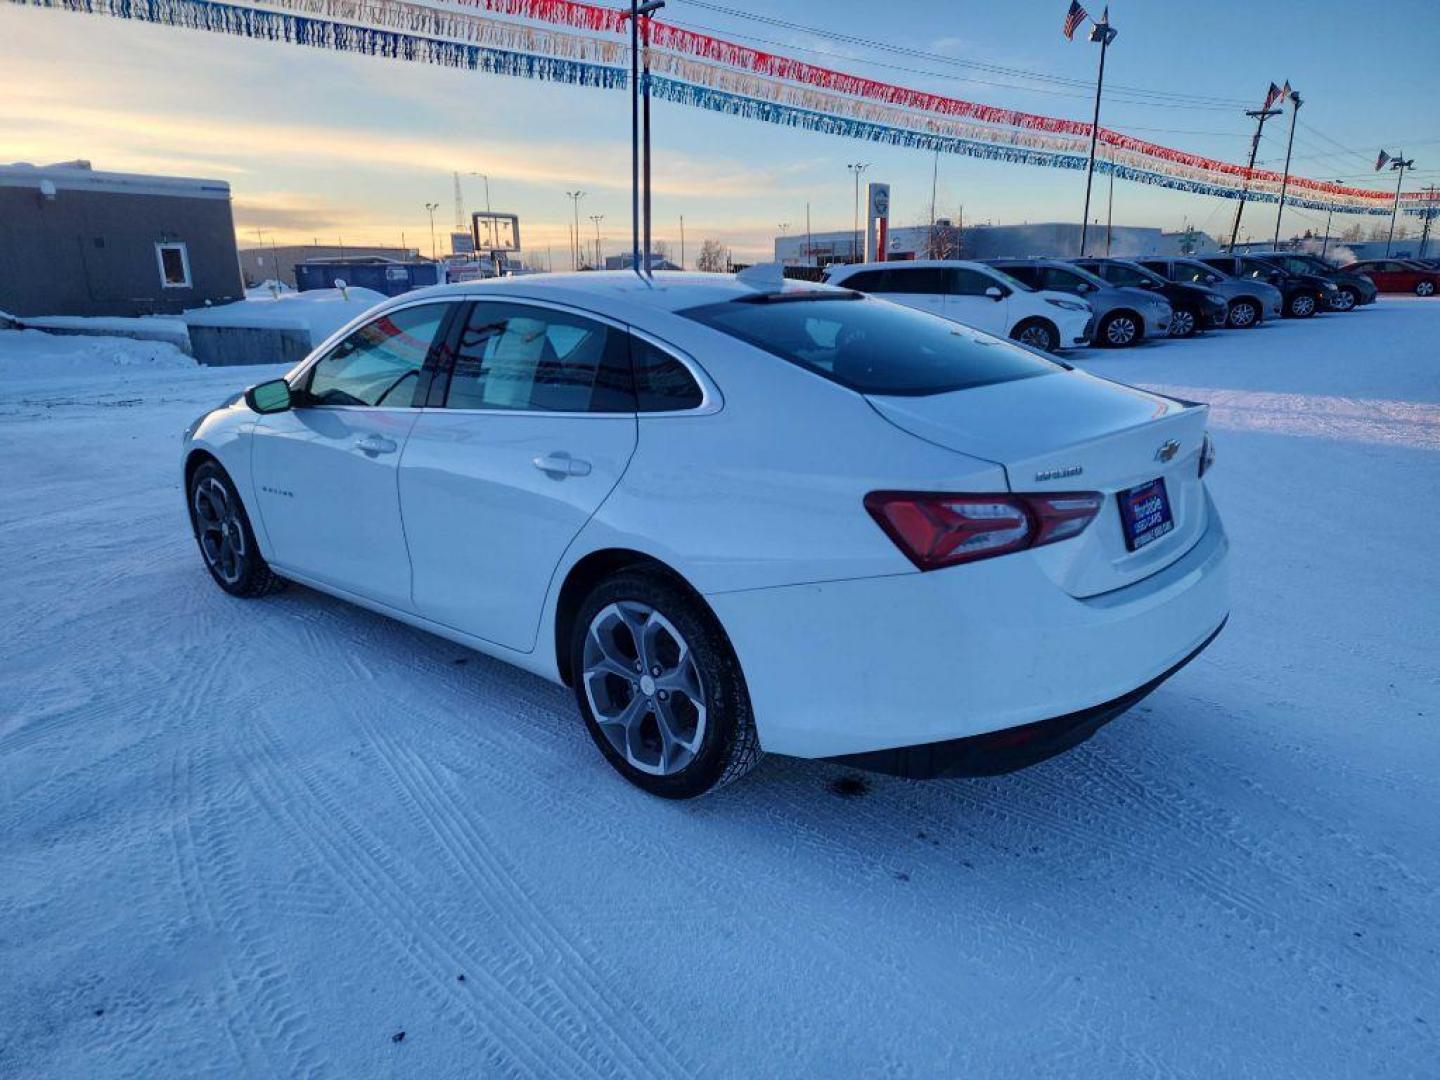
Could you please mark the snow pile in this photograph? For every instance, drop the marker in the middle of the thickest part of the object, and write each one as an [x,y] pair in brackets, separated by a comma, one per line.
[267,289]
[33,352]
[321,311]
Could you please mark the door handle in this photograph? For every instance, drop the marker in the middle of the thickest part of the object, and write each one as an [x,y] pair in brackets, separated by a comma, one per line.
[560,464]
[376,444]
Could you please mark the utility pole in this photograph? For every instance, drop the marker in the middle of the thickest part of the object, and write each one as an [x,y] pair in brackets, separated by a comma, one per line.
[599,260]
[1429,214]
[857,169]
[1329,215]
[1103,33]
[1110,209]
[432,207]
[1400,164]
[1295,104]
[575,197]
[1260,115]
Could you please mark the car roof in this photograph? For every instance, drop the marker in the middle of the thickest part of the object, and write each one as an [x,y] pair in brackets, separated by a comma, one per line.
[847,269]
[616,291]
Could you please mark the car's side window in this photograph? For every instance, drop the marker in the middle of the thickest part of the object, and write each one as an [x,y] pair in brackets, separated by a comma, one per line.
[970,282]
[379,364]
[867,281]
[1030,275]
[535,359]
[1060,280]
[662,383]
[922,280]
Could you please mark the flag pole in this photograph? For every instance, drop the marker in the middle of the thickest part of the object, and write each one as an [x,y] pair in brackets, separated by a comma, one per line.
[1285,182]
[1104,33]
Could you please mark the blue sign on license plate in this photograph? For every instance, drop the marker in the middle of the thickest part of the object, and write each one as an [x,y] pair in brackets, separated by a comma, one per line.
[1145,513]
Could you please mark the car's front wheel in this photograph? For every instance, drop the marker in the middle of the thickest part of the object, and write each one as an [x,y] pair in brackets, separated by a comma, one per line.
[660,688]
[1425,288]
[1038,334]
[1184,322]
[1302,305]
[1120,330]
[1244,314]
[227,542]
[1345,299]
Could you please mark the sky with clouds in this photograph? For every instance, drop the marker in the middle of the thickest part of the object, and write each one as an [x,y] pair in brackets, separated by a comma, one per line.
[321,145]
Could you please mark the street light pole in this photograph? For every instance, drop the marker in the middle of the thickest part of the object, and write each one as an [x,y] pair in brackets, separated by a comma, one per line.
[575,197]
[1260,115]
[1295,104]
[1429,216]
[1329,216]
[857,168]
[599,262]
[1103,33]
[432,207]
[1399,164]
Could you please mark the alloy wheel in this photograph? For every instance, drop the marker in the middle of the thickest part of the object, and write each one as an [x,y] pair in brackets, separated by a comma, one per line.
[644,688]
[1242,315]
[1425,288]
[1303,305]
[1121,330]
[1182,323]
[1344,300]
[222,535]
[1037,337]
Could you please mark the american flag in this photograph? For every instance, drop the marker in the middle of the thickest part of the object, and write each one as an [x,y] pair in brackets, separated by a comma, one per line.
[1272,97]
[1285,90]
[1073,18]
[1381,160]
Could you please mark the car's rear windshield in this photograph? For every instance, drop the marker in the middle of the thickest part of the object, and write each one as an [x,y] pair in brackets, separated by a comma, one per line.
[872,346]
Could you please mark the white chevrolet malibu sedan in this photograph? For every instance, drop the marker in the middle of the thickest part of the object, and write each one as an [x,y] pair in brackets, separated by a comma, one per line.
[734,516]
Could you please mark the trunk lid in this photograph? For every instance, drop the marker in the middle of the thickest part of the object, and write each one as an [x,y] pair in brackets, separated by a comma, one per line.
[1071,431]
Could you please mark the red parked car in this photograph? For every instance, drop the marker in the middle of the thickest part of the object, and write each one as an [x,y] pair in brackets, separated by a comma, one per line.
[1398,275]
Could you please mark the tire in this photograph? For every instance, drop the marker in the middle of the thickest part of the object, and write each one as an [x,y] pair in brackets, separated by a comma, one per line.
[1302,305]
[1038,334]
[632,625]
[1184,322]
[1347,299]
[1244,314]
[224,536]
[1425,288]
[1120,330]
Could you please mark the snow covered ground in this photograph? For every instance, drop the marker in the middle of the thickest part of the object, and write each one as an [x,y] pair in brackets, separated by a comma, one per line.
[267,838]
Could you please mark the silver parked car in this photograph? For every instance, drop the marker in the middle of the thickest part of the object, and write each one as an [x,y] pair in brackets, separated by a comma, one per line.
[1123,316]
[1250,301]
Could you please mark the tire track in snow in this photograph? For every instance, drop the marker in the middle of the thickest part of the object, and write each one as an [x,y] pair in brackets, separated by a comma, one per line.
[519,1027]
[437,811]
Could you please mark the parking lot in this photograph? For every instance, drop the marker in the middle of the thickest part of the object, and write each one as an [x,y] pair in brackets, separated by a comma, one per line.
[293,837]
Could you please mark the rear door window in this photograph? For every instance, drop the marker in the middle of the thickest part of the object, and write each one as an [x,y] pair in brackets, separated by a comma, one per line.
[873,348]
[965,282]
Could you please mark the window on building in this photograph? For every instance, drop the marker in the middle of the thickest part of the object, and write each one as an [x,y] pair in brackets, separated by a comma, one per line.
[174,262]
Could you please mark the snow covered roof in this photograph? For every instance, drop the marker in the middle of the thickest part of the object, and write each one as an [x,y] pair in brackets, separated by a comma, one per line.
[79,176]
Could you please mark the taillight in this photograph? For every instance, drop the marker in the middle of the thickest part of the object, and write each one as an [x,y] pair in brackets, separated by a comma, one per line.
[935,530]
[1207,454]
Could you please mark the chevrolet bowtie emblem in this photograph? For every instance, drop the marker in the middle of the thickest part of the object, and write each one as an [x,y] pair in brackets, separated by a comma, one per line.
[1167,450]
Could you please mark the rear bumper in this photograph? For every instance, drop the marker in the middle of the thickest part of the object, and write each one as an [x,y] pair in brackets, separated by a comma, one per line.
[849,667]
[1014,748]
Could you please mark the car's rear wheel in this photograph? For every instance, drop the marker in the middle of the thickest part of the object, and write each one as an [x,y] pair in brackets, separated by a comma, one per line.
[1184,322]
[1345,299]
[1120,330]
[1038,334]
[1302,305]
[660,687]
[1244,314]
[227,542]
[1425,288]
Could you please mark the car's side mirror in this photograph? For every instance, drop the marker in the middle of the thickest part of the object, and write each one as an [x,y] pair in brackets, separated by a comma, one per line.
[1084,287]
[269,397]
[994,292]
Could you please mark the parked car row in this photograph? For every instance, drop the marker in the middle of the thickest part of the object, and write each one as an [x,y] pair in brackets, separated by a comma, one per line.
[1057,304]
[1418,276]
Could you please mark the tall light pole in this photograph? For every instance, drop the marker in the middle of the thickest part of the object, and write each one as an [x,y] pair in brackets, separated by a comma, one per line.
[1429,216]
[1329,216]
[487,188]
[857,168]
[575,197]
[1295,104]
[432,207]
[1398,163]
[599,261]
[1103,33]
[682,241]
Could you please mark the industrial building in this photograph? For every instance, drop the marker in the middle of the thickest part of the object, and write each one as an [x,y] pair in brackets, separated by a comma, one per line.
[990,242]
[268,262]
[80,242]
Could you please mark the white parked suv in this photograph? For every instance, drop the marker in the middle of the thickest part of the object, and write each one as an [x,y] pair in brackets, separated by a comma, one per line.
[976,295]
[734,514]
